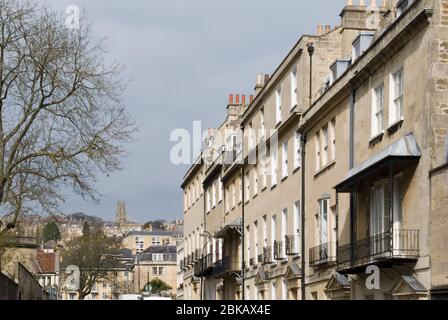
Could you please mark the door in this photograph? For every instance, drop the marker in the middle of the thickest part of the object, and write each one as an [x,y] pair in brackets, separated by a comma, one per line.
[323,220]
[379,240]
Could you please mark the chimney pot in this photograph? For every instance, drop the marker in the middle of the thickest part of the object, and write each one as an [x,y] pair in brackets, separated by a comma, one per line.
[230,98]
[327,29]
[251,99]
[266,78]
[243,99]
[237,99]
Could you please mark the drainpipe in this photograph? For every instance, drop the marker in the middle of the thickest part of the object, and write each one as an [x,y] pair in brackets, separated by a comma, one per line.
[310,47]
[311,53]
[351,165]
[302,225]
[205,229]
[243,229]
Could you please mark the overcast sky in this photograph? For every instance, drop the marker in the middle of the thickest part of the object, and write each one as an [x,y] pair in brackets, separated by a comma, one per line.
[184,58]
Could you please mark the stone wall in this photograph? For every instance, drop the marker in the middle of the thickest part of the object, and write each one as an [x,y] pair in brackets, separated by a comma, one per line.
[439,225]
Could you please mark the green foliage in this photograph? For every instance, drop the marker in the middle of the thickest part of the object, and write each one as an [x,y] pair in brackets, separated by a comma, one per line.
[156,225]
[158,285]
[51,232]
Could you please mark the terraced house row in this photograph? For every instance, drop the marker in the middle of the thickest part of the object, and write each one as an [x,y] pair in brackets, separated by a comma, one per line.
[338,162]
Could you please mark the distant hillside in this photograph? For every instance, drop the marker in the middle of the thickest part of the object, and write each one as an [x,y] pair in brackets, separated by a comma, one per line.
[80,216]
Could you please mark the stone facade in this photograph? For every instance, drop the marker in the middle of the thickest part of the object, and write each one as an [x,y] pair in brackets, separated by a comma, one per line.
[354,177]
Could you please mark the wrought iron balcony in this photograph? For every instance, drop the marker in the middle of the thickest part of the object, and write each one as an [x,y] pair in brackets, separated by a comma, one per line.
[227,265]
[279,250]
[198,268]
[386,248]
[292,244]
[323,254]
[267,255]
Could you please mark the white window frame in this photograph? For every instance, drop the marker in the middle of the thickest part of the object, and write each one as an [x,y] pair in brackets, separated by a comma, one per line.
[285,159]
[247,187]
[297,150]
[233,195]
[240,200]
[220,188]
[255,239]
[324,229]
[255,181]
[296,225]
[207,200]
[273,230]
[325,145]
[333,139]
[278,106]
[251,141]
[213,195]
[294,87]
[284,228]
[378,110]
[157,257]
[274,167]
[396,96]
[262,124]
[318,160]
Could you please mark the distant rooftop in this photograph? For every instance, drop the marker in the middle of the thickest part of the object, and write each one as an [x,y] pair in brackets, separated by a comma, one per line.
[153,233]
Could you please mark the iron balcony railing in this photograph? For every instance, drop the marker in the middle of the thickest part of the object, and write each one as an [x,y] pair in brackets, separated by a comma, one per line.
[198,268]
[279,250]
[292,244]
[322,254]
[267,255]
[226,266]
[399,244]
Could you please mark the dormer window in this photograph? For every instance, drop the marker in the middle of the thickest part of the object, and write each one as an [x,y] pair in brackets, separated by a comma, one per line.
[402,6]
[361,44]
[338,68]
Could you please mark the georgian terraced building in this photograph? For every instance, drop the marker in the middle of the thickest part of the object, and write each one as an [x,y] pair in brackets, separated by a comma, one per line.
[340,168]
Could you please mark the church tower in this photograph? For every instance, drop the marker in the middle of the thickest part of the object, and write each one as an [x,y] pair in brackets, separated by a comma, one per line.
[120,213]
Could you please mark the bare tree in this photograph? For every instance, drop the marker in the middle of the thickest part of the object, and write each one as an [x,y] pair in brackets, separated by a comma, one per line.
[94,254]
[61,117]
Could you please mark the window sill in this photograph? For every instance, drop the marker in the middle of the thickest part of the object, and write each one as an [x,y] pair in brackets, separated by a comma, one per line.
[376,138]
[324,168]
[295,169]
[255,195]
[283,179]
[273,186]
[278,124]
[395,126]
[264,188]
[293,106]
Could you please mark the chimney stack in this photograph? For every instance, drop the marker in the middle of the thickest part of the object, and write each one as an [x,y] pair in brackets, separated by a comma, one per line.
[320,29]
[259,84]
[327,29]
